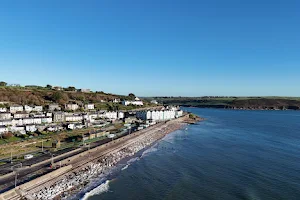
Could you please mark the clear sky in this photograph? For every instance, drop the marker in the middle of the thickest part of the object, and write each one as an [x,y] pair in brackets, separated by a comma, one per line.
[154,47]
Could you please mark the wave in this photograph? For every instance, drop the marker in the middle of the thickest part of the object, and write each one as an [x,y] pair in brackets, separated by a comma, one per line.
[125,167]
[104,187]
[150,150]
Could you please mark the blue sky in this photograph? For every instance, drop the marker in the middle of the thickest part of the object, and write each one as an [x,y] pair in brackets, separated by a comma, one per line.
[155,47]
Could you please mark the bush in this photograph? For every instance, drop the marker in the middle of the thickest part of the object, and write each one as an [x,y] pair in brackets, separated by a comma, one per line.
[7,135]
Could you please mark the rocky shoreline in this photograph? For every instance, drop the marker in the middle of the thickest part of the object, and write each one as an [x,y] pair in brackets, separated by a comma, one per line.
[71,183]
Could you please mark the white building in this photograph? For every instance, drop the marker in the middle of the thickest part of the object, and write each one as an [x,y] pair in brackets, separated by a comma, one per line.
[116,101]
[71,106]
[3,129]
[137,103]
[37,108]
[5,116]
[161,115]
[5,122]
[28,108]
[28,121]
[30,128]
[154,102]
[46,120]
[15,108]
[73,118]
[17,122]
[89,106]
[21,115]
[20,129]
[53,107]
[121,115]
[111,115]
[3,110]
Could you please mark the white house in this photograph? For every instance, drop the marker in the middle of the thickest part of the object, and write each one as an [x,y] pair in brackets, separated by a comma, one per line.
[30,128]
[28,121]
[160,115]
[116,101]
[89,106]
[46,120]
[37,108]
[71,106]
[59,117]
[3,110]
[137,103]
[17,129]
[71,126]
[111,115]
[21,115]
[53,107]
[15,108]
[3,129]
[5,122]
[28,108]
[17,122]
[4,116]
[74,118]
[121,115]
[154,102]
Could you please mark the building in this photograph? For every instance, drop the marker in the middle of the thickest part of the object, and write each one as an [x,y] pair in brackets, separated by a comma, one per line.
[5,122]
[30,128]
[59,117]
[3,129]
[54,107]
[71,106]
[28,108]
[73,118]
[54,128]
[136,103]
[111,115]
[37,108]
[19,129]
[15,108]
[3,110]
[116,101]
[85,90]
[89,106]
[158,115]
[46,120]
[121,115]
[20,115]
[57,88]
[17,122]
[154,102]
[5,116]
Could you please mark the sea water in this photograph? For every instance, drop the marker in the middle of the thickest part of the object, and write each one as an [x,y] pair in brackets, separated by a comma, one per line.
[233,154]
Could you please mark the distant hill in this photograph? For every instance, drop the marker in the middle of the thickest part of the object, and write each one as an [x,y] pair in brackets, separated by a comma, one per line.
[259,103]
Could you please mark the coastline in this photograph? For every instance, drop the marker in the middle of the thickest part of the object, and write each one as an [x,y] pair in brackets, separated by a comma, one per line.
[81,171]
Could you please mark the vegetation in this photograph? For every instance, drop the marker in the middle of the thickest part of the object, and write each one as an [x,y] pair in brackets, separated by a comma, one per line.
[43,96]
[234,102]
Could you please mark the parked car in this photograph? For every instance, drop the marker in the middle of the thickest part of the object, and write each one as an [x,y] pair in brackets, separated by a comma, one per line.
[28,156]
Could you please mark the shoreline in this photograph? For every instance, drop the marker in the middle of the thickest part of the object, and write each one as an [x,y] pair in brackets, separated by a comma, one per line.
[79,171]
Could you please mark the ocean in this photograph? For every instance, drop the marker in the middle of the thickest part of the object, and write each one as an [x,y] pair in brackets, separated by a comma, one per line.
[233,154]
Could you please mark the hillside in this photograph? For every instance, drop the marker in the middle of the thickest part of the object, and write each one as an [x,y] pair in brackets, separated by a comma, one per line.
[44,96]
[257,103]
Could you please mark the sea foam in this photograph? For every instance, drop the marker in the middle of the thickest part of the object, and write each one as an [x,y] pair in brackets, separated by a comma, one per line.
[104,187]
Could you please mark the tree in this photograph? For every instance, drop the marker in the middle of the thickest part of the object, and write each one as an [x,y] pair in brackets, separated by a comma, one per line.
[131,95]
[49,86]
[70,88]
[2,83]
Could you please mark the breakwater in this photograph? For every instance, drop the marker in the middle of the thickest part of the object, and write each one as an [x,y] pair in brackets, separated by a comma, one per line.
[77,178]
